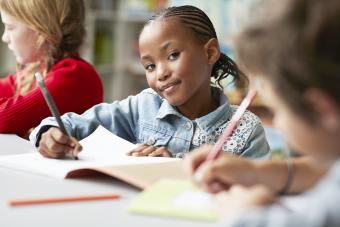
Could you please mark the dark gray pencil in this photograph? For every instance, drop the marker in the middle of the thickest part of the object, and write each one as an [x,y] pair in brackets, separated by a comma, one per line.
[52,106]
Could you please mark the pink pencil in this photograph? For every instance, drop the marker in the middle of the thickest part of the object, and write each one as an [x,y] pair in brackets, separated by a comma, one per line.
[216,151]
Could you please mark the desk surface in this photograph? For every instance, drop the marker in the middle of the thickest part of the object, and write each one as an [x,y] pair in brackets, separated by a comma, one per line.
[20,185]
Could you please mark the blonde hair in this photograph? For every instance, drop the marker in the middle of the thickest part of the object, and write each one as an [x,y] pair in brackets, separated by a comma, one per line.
[60,27]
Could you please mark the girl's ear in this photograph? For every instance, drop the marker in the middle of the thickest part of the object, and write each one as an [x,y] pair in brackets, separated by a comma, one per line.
[326,109]
[212,50]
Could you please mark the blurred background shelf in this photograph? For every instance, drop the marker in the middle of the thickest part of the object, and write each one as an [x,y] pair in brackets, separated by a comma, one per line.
[111,44]
[113,27]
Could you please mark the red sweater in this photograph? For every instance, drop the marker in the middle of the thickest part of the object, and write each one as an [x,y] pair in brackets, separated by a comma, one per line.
[73,83]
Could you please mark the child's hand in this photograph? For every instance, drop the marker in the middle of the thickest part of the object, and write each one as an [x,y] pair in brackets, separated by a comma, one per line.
[221,173]
[239,198]
[55,144]
[148,150]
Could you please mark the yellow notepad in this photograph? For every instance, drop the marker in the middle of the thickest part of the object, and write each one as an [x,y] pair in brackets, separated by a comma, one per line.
[175,198]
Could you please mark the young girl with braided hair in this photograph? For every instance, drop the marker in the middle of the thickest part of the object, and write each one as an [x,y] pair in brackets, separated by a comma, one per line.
[181,110]
[45,37]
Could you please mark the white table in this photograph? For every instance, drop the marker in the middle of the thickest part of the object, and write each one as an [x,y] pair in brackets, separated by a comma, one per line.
[20,185]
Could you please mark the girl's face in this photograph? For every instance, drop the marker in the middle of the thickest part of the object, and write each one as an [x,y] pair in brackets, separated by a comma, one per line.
[20,39]
[300,134]
[176,63]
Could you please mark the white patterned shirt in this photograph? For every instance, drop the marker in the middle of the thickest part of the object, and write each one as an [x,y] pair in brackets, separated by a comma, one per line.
[238,140]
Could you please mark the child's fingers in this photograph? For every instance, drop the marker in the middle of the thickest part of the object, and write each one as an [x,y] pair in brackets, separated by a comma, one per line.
[216,187]
[239,190]
[76,147]
[194,159]
[141,147]
[138,149]
[160,152]
[58,151]
[202,174]
[143,152]
[147,151]
[50,146]
[59,136]
[75,144]
[46,152]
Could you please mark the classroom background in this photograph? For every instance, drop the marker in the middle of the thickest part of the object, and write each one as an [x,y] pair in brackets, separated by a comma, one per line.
[111,45]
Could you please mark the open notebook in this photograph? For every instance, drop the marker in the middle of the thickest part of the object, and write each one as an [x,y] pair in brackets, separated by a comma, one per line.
[102,152]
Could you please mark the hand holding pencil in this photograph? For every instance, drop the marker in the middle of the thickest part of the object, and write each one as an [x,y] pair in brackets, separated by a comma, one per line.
[220,174]
[205,166]
[56,142]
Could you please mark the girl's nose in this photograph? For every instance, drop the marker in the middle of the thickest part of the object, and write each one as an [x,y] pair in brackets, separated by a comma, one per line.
[162,72]
[4,37]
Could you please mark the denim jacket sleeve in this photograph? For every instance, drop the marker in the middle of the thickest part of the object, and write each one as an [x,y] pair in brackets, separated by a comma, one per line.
[257,146]
[119,117]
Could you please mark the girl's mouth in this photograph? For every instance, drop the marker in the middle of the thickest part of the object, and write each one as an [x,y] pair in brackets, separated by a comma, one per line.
[170,87]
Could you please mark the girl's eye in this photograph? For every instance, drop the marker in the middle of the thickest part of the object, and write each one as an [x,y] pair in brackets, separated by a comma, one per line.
[173,56]
[149,67]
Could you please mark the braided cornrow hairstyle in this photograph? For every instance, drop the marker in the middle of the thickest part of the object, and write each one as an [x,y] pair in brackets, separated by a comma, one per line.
[199,22]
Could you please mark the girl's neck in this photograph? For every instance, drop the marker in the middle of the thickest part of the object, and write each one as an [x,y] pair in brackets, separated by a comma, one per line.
[199,106]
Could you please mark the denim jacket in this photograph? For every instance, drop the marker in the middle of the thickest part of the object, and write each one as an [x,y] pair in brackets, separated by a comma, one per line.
[148,118]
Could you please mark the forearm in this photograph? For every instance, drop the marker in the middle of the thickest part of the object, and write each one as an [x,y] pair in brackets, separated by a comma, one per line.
[306,174]
[274,174]
[80,126]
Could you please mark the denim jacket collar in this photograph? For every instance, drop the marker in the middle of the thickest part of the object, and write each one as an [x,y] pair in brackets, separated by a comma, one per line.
[167,109]
[208,122]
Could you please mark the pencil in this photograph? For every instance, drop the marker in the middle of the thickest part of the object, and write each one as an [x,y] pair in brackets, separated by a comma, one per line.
[63,199]
[215,152]
[52,106]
